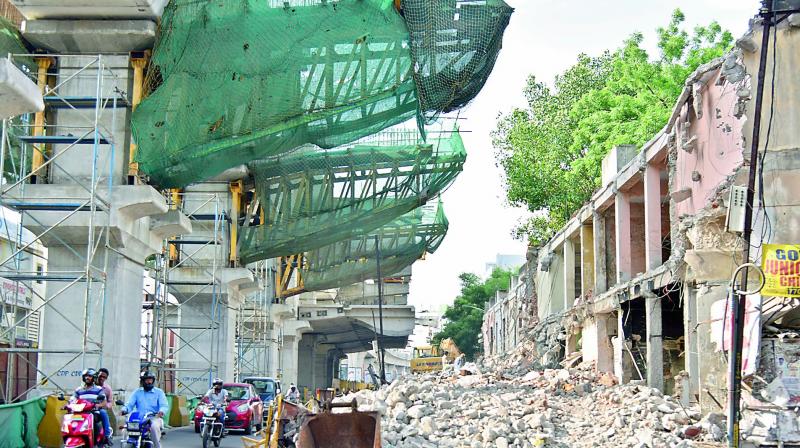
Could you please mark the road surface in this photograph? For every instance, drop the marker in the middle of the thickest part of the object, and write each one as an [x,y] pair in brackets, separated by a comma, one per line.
[186,437]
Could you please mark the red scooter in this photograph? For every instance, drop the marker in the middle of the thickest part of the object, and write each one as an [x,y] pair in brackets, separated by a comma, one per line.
[81,426]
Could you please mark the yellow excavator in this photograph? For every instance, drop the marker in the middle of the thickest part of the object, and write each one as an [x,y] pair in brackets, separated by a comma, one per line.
[430,358]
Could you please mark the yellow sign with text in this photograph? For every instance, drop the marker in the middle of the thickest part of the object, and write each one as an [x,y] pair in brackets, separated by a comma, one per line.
[781,265]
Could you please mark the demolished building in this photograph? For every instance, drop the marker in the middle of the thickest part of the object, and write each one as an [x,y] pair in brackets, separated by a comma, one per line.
[640,276]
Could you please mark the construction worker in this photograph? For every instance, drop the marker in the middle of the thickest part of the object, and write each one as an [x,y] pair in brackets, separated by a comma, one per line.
[293,395]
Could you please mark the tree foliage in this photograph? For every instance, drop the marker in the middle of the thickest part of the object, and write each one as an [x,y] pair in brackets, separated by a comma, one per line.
[465,316]
[551,151]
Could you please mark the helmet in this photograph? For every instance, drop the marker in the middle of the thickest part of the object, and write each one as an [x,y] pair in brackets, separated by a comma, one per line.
[217,381]
[89,372]
[144,376]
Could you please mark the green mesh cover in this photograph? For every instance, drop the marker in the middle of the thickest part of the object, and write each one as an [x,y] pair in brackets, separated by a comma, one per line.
[402,242]
[19,423]
[454,45]
[241,80]
[314,198]
[11,42]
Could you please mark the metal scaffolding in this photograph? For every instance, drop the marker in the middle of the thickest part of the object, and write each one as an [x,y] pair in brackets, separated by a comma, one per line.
[166,332]
[37,153]
[254,328]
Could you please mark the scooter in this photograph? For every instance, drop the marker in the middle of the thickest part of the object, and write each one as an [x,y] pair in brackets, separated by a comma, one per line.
[211,426]
[81,426]
[137,431]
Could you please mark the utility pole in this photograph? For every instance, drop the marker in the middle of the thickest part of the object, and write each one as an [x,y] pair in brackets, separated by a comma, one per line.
[738,302]
[381,351]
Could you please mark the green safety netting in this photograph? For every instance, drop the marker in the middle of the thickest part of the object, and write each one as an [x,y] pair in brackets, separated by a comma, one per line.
[242,80]
[313,198]
[454,45]
[11,42]
[402,242]
[19,423]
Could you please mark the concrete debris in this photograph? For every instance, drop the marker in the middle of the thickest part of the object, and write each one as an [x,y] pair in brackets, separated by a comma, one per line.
[576,407]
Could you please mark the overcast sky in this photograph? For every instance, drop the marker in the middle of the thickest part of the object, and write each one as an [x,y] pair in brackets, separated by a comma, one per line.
[543,38]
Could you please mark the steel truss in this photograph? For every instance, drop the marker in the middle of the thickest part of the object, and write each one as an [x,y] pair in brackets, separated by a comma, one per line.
[166,335]
[58,77]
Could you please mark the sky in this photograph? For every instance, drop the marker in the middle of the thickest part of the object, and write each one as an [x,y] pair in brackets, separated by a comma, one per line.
[543,38]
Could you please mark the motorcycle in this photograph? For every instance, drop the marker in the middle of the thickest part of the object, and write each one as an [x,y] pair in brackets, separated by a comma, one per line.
[211,427]
[81,426]
[137,431]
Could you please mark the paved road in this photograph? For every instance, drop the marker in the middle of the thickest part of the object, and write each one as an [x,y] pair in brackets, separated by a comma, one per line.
[186,437]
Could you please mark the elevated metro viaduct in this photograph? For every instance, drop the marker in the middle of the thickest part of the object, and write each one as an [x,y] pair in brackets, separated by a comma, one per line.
[101,224]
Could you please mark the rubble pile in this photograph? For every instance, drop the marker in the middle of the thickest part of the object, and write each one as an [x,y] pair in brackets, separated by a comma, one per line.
[554,407]
[541,349]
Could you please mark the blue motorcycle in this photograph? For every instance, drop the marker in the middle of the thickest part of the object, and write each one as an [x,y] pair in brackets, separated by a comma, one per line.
[137,431]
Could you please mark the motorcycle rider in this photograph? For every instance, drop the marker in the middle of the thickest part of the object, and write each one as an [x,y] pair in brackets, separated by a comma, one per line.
[293,395]
[218,397]
[148,398]
[90,391]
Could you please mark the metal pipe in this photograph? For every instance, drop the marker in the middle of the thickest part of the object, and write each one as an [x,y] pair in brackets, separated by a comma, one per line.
[738,305]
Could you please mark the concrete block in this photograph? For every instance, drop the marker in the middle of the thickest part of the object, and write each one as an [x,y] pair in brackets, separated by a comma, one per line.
[138,201]
[90,9]
[18,94]
[709,264]
[170,223]
[615,160]
[90,36]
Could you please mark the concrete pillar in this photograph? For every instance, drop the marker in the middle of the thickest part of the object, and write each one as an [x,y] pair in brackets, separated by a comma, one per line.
[596,341]
[118,332]
[287,370]
[205,344]
[600,268]
[655,348]
[622,212]
[652,217]
[587,259]
[690,340]
[569,273]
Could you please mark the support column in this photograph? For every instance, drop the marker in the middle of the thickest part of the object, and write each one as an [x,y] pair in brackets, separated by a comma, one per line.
[655,347]
[37,158]
[652,217]
[587,260]
[139,62]
[690,340]
[622,212]
[600,247]
[113,321]
[596,342]
[205,343]
[569,273]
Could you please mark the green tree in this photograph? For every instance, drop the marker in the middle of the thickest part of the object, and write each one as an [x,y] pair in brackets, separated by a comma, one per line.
[552,150]
[465,316]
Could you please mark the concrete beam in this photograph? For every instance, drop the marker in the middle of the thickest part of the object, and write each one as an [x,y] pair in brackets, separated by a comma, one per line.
[90,36]
[652,217]
[170,223]
[18,94]
[90,9]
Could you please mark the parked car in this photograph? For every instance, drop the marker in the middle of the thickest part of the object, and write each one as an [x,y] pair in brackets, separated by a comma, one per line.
[267,388]
[245,411]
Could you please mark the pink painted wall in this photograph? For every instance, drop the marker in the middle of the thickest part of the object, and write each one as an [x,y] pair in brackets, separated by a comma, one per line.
[718,149]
